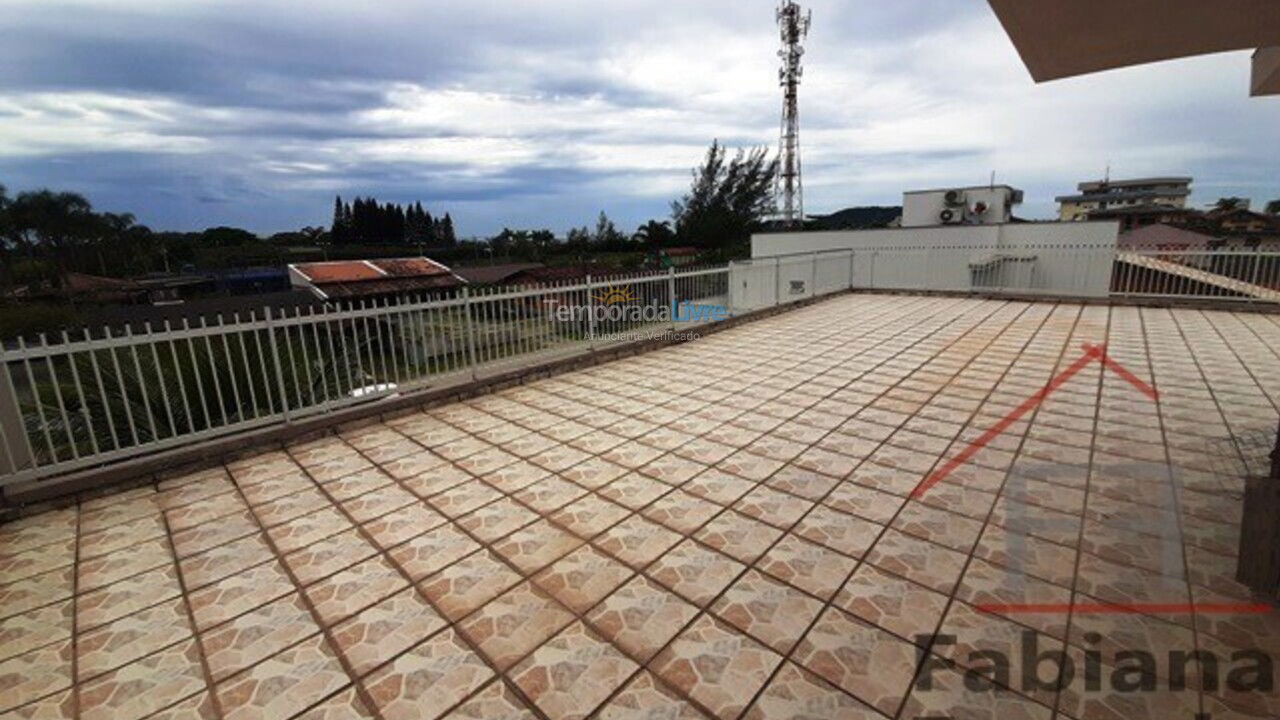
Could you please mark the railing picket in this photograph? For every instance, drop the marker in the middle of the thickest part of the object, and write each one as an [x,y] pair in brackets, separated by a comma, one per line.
[81,398]
[102,391]
[120,383]
[35,396]
[142,385]
[164,389]
[324,379]
[276,365]
[195,371]
[67,427]
[80,395]
[27,444]
[213,370]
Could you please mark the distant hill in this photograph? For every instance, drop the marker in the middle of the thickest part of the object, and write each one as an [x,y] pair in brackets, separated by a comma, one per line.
[856,218]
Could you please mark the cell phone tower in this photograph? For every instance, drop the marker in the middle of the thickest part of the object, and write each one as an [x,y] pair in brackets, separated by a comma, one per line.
[793,25]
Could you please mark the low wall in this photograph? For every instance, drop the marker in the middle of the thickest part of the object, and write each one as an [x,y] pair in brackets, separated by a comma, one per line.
[1071,259]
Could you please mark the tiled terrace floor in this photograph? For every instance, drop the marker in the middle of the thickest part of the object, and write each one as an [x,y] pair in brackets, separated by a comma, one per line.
[721,528]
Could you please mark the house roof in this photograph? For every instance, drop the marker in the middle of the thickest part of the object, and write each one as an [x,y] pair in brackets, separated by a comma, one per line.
[1095,185]
[206,308]
[568,272]
[1152,209]
[389,286]
[1160,234]
[345,271]
[1115,195]
[82,282]
[348,279]
[491,274]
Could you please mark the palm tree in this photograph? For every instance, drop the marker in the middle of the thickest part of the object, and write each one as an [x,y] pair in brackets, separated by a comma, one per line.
[654,233]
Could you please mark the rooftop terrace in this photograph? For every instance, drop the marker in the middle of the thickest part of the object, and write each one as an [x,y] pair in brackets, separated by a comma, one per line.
[726,528]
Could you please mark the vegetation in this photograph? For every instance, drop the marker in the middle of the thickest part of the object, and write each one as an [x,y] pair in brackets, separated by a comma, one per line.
[729,198]
[364,221]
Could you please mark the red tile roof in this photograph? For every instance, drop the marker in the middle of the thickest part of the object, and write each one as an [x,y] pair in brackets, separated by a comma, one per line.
[367,278]
[410,267]
[341,271]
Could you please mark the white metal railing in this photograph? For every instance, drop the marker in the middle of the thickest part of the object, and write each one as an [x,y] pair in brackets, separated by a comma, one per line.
[106,395]
[109,395]
[1235,275]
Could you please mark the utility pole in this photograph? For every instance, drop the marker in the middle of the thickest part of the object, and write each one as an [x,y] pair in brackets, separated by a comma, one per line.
[793,26]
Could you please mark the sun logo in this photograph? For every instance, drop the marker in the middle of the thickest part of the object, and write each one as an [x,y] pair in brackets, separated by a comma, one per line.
[616,296]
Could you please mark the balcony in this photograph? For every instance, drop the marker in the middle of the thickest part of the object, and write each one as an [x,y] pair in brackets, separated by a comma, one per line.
[773,521]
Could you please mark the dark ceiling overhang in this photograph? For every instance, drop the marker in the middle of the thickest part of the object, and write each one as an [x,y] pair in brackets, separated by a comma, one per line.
[1064,38]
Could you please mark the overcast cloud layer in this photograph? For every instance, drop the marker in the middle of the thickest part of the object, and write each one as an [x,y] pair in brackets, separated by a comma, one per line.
[193,113]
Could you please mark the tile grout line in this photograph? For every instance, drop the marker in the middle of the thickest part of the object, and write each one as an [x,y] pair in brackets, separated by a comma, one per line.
[1257,340]
[75,619]
[449,521]
[210,686]
[706,610]
[642,664]
[553,472]
[924,653]
[758,483]
[547,516]
[815,503]
[1080,552]
[829,602]
[385,553]
[1174,487]
[1173,481]
[298,588]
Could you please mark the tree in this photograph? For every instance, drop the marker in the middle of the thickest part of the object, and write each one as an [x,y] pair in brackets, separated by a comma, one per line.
[224,236]
[340,228]
[1273,207]
[50,234]
[54,220]
[726,201]
[1229,203]
[445,232]
[6,274]
[655,234]
[606,232]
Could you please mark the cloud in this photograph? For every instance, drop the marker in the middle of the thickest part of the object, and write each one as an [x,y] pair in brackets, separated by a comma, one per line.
[200,112]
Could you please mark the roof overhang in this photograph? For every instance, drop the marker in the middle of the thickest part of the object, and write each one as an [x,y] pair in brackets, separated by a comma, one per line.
[1059,39]
[1266,71]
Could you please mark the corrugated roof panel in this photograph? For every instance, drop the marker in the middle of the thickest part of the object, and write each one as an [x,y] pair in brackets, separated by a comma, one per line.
[389,286]
[410,267]
[328,272]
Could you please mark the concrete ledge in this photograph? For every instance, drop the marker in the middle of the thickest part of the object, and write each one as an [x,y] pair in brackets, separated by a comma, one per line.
[38,495]
[1256,306]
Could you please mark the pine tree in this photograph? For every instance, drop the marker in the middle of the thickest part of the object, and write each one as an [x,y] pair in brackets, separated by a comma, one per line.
[338,230]
[447,238]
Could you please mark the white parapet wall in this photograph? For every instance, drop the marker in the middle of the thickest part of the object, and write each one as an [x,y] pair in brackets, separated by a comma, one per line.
[1066,259]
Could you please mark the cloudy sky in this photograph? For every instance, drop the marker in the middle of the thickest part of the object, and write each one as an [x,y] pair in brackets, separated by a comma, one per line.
[193,113]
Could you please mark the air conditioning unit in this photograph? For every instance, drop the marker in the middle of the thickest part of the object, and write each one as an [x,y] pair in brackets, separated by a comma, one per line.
[951,216]
[954,198]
